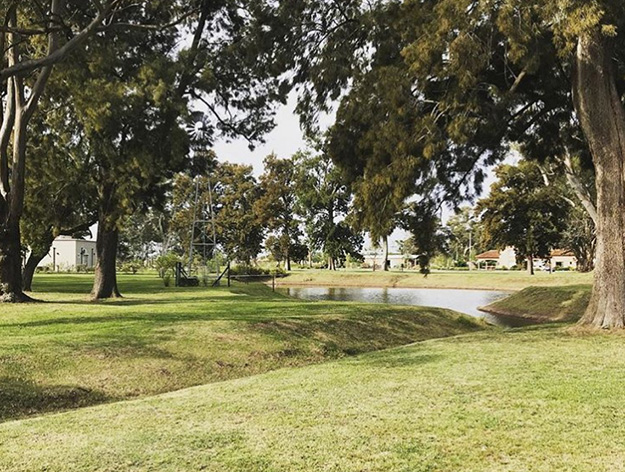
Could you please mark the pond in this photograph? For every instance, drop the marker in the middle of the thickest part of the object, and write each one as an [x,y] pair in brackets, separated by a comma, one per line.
[463,301]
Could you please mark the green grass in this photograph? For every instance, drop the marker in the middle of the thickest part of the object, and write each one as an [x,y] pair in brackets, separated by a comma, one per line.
[70,353]
[540,399]
[487,280]
[545,304]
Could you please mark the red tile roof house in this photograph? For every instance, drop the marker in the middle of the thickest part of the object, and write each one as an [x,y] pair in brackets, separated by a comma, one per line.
[494,259]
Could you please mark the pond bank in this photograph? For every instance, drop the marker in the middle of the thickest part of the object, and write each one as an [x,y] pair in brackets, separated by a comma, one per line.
[510,281]
[543,304]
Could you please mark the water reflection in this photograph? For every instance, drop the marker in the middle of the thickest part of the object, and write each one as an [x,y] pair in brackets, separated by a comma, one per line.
[463,301]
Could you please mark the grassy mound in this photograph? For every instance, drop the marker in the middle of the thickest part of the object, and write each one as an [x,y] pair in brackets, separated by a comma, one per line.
[70,353]
[545,304]
[535,399]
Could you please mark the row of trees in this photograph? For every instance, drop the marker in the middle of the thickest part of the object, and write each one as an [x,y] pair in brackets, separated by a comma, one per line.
[298,207]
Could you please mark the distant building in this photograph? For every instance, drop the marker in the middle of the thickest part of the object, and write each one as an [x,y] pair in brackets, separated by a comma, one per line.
[395,261]
[563,259]
[496,259]
[68,253]
[506,259]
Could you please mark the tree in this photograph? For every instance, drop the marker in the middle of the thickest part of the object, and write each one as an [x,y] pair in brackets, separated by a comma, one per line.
[240,231]
[278,203]
[429,237]
[324,200]
[465,235]
[123,105]
[523,212]
[235,63]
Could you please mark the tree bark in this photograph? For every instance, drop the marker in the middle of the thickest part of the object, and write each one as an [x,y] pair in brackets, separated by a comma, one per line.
[600,111]
[11,264]
[385,244]
[530,264]
[29,269]
[105,282]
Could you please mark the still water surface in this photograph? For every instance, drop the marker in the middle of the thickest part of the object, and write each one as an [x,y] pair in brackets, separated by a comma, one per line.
[463,301]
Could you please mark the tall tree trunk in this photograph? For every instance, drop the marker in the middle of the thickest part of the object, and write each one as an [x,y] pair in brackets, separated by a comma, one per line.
[600,111]
[385,244]
[105,282]
[530,264]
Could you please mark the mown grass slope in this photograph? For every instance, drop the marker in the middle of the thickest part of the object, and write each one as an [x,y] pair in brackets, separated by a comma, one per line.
[486,280]
[545,304]
[539,399]
[69,352]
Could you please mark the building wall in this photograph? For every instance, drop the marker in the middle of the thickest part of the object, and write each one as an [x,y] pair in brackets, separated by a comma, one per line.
[67,254]
[565,262]
[507,258]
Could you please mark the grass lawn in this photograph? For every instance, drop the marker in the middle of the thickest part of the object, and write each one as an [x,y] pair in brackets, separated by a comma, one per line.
[487,280]
[545,304]
[70,353]
[539,399]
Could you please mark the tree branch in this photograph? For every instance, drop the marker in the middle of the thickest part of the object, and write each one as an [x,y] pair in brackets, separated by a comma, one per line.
[579,189]
[60,53]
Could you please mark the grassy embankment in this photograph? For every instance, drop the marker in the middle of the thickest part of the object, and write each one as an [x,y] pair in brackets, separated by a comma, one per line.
[70,353]
[539,399]
[484,280]
[544,304]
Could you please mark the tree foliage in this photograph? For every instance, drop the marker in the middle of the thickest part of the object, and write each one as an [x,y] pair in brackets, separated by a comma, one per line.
[521,211]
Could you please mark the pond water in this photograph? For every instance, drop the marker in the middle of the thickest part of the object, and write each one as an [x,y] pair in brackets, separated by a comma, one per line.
[463,301]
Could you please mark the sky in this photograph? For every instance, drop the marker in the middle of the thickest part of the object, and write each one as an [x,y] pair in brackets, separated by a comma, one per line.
[286,139]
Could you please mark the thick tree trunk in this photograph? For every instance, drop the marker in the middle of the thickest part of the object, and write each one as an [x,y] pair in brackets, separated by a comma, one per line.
[530,265]
[105,283]
[385,244]
[11,265]
[602,117]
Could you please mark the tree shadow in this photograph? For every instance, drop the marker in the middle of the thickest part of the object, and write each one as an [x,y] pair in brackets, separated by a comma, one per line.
[19,399]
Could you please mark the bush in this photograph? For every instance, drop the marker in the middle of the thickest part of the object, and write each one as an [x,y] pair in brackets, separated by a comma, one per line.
[131,267]
[166,264]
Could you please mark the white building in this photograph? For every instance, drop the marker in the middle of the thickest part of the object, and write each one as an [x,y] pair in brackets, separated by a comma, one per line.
[497,259]
[395,261]
[68,254]
[563,259]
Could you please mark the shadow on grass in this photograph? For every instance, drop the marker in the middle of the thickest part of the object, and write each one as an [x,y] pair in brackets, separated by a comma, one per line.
[19,399]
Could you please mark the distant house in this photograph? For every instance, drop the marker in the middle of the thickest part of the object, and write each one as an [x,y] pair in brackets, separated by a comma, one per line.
[563,259]
[559,259]
[395,261]
[496,259]
[68,253]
